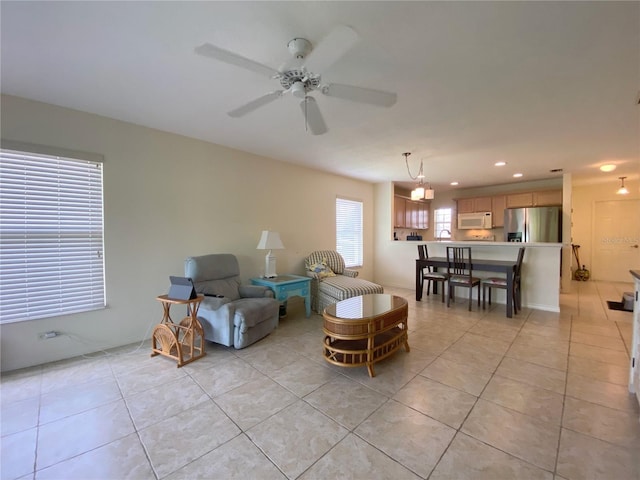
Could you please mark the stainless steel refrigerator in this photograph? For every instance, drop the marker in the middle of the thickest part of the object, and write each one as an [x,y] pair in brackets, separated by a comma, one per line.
[534,224]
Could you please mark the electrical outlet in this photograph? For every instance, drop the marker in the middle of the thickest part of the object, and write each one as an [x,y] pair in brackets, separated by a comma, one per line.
[48,335]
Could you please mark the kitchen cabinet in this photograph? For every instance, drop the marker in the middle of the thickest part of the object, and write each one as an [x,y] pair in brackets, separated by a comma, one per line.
[465,205]
[547,197]
[519,200]
[534,199]
[399,208]
[416,215]
[423,217]
[410,214]
[498,204]
[482,204]
[473,205]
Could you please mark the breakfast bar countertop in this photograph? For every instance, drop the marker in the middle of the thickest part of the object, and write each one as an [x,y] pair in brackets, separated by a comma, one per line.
[540,271]
[471,243]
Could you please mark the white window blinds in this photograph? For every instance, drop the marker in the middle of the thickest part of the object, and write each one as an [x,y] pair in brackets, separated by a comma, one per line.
[349,231]
[51,236]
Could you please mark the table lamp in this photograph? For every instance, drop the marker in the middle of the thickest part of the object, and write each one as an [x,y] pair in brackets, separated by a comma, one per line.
[270,241]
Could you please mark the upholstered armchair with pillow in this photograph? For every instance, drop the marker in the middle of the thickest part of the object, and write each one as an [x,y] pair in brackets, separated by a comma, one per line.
[231,314]
[332,282]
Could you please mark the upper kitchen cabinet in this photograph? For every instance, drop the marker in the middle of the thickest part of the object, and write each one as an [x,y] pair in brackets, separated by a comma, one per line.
[519,200]
[534,199]
[547,198]
[473,205]
[410,214]
[399,209]
[423,216]
[416,215]
[498,204]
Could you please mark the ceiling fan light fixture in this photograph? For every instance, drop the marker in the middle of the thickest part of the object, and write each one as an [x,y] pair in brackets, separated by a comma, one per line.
[299,47]
[622,190]
[298,90]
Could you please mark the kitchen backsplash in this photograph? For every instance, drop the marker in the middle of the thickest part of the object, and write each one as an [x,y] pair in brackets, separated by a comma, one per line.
[410,234]
[492,235]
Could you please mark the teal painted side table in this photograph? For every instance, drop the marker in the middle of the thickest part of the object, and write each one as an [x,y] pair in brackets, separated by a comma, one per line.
[286,286]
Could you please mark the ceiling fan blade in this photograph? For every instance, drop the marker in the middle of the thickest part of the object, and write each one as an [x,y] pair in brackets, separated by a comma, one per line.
[338,42]
[211,51]
[255,104]
[312,116]
[360,94]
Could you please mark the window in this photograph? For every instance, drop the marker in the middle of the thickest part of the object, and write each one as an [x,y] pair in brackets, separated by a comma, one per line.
[51,235]
[442,223]
[349,231]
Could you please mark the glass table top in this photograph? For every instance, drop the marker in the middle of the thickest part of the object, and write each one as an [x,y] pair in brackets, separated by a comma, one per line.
[365,306]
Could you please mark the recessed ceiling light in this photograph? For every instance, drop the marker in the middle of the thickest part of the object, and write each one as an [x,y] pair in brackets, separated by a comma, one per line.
[454,183]
[607,168]
[500,164]
[517,175]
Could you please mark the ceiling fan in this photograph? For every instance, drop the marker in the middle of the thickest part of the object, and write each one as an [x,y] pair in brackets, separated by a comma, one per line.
[300,79]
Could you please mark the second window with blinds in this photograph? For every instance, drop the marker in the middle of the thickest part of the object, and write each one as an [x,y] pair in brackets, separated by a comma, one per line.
[349,231]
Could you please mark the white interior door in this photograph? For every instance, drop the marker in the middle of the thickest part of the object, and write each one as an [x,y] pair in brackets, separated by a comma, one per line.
[616,240]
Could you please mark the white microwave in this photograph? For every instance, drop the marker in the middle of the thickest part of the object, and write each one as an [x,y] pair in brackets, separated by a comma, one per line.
[471,221]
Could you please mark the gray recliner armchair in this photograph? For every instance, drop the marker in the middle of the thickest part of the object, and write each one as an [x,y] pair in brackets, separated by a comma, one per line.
[231,314]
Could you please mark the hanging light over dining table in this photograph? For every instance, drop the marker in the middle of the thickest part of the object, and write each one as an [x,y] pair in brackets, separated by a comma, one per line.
[422,190]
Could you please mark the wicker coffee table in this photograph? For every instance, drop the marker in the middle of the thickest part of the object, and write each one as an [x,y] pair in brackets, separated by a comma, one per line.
[363,330]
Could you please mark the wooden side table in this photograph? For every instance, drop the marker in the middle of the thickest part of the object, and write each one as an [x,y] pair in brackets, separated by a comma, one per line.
[285,286]
[183,342]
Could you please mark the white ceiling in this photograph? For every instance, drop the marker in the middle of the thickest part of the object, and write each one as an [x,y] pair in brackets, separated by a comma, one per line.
[540,85]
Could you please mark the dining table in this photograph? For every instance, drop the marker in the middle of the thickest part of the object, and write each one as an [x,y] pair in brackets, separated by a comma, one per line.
[508,267]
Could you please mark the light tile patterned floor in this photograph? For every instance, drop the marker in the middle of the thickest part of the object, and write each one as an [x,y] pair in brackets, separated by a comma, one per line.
[480,396]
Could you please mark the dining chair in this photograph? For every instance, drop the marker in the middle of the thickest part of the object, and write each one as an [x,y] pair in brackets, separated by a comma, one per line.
[501,282]
[460,272]
[429,274]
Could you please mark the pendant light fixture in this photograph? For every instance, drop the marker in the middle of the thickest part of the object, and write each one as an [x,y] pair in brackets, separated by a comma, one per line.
[622,190]
[421,191]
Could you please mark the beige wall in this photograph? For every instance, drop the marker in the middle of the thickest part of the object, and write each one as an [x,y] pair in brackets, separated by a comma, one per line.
[167,197]
[584,198]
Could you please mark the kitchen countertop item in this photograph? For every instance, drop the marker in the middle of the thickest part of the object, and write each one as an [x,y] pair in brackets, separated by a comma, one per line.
[479,238]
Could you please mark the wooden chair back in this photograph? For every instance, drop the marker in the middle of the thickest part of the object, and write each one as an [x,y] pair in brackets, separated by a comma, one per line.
[459,261]
[517,273]
[519,261]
